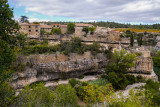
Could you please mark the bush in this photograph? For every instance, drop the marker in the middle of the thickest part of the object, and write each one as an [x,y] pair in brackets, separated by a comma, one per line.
[94,93]
[56,31]
[81,77]
[100,82]
[154,92]
[119,81]
[131,79]
[44,42]
[95,48]
[6,95]
[71,28]
[66,96]
[73,82]
[33,42]
[140,78]
[37,97]
[157,72]
[156,61]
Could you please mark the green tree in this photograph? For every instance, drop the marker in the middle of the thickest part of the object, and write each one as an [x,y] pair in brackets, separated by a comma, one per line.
[21,39]
[92,30]
[38,96]
[121,61]
[86,30]
[24,19]
[132,40]
[8,26]
[66,96]
[71,28]
[56,31]
[139,39]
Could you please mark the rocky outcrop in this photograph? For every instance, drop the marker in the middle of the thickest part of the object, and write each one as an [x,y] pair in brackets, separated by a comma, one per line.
[56,66]
[144,65]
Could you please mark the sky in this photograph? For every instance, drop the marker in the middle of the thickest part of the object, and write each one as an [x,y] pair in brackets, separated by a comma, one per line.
[122,11]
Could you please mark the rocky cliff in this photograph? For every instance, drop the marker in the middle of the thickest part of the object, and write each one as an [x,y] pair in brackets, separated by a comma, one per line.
[56,66]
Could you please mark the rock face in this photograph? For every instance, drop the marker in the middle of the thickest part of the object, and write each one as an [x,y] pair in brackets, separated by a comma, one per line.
[56,66]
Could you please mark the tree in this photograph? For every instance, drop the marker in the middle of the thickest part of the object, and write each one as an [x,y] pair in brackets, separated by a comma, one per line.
[132,40]
[24,19]
[139,39]
[56,31]
[66,96]
[121,61]
[21,39]
[86,30]
[71,28]
[8,26]
[92,30]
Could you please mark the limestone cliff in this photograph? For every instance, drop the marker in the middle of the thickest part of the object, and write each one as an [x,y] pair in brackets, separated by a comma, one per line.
[56,66]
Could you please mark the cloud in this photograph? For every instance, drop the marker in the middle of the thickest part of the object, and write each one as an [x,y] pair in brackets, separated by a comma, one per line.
[145,11]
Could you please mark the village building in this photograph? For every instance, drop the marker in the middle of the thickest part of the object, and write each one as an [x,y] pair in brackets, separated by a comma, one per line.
[46,28]
[63,29]
[30,29]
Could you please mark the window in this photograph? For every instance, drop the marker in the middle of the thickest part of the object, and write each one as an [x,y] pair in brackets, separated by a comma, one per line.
[36,30]
[29,26]
[36,26]
[53,25]
[57,25]
[29,30]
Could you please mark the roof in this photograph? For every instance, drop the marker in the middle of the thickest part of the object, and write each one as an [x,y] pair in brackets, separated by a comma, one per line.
[28,24]
[82,25]
[46,26]
[63,25]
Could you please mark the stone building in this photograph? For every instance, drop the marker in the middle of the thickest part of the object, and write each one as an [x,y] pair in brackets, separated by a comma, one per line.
[79,27]
[30,29]
[56,25]
[63,29]
[46,28]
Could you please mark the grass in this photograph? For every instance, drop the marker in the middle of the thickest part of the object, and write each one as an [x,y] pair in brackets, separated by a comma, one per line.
[100,82]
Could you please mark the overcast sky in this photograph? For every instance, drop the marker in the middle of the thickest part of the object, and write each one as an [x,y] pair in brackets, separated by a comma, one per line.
[132,11]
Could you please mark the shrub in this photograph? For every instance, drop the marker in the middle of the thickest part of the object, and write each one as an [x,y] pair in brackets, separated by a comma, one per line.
[131,79]
[140,78]
[44,42]
[156,61]
[73,82]
[71,28]
[81,77]
[6,95]
[154,92]
[37,97]
[94,93]
[56,31]
[66,96]
[100,82]
[33,42]
[95,48]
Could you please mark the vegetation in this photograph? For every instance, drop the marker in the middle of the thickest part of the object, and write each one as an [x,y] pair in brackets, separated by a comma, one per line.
[156,62]
[75,46]
[121,61]
[92,30]
[24,19]
[139,30]
[56,31]
[71,28]
[86,30]
[139,39]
